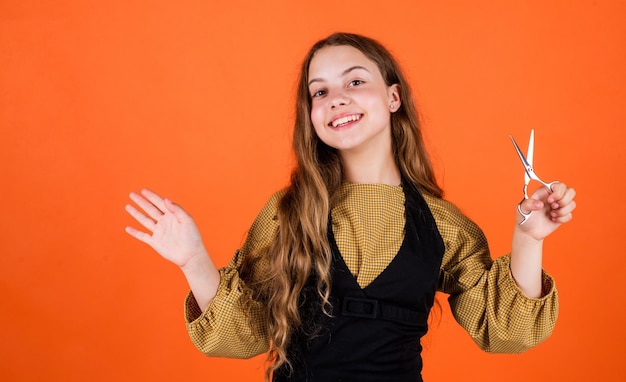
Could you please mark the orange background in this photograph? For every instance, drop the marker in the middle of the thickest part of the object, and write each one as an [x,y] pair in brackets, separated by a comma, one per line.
[195,101]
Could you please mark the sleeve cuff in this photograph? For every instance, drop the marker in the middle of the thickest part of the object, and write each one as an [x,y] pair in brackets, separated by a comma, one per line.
[548,287]
[193,311]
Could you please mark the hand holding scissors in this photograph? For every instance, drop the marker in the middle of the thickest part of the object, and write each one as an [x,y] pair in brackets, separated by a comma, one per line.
[530,174]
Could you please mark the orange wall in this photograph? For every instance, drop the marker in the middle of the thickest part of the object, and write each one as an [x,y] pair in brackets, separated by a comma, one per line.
[195,101]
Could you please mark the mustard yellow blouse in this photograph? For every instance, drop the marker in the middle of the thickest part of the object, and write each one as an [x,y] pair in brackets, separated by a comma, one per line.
[368,223]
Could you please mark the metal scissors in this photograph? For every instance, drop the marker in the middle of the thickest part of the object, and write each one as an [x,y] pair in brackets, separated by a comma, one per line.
[527,161]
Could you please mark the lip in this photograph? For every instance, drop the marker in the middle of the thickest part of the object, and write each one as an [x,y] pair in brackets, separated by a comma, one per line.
[351,118]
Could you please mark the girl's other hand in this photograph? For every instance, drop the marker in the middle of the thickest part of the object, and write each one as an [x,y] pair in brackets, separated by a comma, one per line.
[172,231]
[550,210]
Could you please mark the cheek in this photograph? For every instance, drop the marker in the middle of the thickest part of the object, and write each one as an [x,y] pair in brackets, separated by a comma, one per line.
[375,99]
[378,109]
[317,115]
[318,119]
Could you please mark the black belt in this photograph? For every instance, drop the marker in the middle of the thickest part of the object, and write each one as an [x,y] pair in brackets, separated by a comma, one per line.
[375,309]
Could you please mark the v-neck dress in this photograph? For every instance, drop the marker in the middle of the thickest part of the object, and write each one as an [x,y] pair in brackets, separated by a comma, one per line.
[374,332]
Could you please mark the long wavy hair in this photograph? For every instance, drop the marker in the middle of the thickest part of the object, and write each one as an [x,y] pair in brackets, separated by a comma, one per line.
[300,251]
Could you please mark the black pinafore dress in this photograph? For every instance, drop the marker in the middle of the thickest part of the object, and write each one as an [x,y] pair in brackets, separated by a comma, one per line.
[374,332]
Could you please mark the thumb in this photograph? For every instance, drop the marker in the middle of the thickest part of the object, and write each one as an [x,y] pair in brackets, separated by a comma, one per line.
[529,205]
[175,209]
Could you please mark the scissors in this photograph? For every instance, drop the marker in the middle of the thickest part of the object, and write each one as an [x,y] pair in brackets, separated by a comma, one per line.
[527,161]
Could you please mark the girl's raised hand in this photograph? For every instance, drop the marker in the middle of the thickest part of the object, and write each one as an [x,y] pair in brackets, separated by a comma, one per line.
[172,231]
[550,210]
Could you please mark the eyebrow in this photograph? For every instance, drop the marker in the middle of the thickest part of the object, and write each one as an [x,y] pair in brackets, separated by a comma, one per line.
[355,67]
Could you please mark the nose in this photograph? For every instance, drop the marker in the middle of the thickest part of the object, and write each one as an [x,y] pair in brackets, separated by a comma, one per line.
[338,98]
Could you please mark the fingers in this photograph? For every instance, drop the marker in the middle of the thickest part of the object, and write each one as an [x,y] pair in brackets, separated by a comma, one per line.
[155,199]
[141,236]
[563,215]
[561,194]
[145,221]
[171,207]
[561,210]
[176,210]
[153,206]
[558,204]
[561,203]
[149,202]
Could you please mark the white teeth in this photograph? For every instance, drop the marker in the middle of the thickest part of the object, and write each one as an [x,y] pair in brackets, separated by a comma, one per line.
[344,120]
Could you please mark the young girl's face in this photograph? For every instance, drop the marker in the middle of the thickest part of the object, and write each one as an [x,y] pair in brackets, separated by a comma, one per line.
[350,102]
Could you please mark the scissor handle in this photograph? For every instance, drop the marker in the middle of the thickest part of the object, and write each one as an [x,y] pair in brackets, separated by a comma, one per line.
[546,185]
[549,185]
[526,216]
[519,206]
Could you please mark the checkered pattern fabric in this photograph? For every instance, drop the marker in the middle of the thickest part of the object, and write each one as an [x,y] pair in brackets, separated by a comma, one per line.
[368,224]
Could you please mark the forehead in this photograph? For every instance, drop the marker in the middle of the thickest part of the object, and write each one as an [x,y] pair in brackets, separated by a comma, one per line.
[334,60]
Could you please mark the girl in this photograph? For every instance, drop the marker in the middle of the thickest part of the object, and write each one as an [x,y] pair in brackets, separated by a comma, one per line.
[338,273]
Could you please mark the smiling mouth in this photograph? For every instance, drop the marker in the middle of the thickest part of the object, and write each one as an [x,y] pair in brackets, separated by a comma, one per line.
[345,120]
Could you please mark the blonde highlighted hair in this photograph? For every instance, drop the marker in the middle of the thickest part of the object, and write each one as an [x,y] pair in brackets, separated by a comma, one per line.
[300,251]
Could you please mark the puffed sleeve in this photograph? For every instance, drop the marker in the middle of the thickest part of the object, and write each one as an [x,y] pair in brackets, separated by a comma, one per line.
[227,328]
[484,298]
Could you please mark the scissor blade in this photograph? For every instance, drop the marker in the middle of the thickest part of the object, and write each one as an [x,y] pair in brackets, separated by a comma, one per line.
[531,148]
[530,154]
[521,156]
